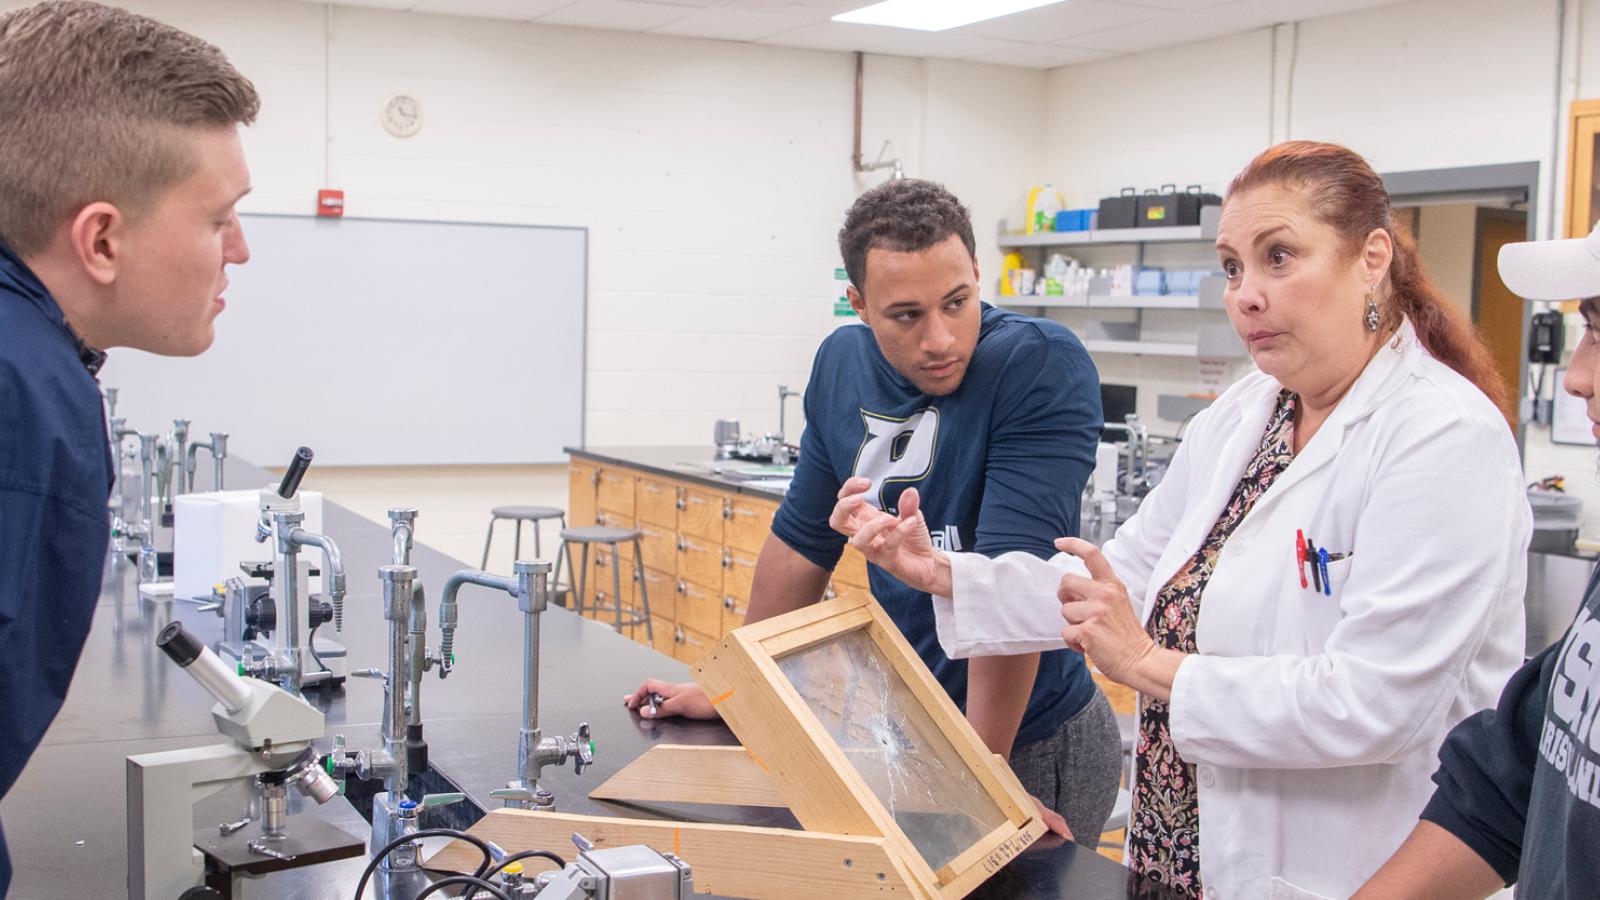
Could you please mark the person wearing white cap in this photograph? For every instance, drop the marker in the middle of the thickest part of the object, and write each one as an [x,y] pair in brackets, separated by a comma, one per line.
[1518,797]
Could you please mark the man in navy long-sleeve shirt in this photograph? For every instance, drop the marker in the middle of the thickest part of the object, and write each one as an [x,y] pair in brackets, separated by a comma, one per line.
[1518,800]
[120,164]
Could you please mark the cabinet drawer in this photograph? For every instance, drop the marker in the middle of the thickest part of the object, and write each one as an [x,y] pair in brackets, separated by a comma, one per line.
[738,573]
[616,492]
[657,503]
[665,635]
[700,514]
[582,482]
[603,586]
[610,518]
[699,561]
[748,523]
[852,569]
[690,645]
[660,547]
[661,589]
[734,610]
[699,608]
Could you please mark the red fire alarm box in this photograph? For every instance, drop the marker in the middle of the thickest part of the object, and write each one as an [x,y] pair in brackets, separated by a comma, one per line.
[330,203]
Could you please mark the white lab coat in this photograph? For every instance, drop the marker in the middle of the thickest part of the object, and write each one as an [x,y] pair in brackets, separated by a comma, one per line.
[1313,721]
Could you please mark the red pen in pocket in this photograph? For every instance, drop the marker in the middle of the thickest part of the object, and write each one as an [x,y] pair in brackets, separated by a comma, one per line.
[1300,556]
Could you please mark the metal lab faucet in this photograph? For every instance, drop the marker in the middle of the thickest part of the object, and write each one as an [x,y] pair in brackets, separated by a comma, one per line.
[281,519]
[402,529]
[218,448]
[120,529]
[145,531]
[530,586]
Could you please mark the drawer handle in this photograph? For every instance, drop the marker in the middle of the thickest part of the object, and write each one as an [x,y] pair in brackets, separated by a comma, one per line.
[678,636]
[679,502]
[682,588]
[729,603]
[689,546]
[599,518]
[727,509]
[727,558]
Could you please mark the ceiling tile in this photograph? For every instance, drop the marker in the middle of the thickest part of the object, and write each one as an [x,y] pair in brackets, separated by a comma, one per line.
[520,10]
[1060,21]
[734,24]
[849,36]
[1040,56]
[623,15]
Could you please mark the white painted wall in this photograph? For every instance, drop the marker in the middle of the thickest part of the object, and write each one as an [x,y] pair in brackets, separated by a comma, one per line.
[711,175]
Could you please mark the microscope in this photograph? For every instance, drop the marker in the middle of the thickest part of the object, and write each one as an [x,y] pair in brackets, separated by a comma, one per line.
[271,733]
[279,647]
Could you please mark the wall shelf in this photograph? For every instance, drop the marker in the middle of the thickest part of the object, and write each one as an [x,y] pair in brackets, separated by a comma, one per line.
[1205,231]
[1137,301]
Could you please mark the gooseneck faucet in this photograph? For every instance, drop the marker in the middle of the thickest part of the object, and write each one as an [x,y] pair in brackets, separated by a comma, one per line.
[218,448]
[530,587]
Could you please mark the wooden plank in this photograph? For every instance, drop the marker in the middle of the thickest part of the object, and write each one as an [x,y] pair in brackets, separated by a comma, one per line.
[728,860]
[820,786]
[679,773]
[966,882]
[814,633]
[806,615]
[728,775]
[968,858]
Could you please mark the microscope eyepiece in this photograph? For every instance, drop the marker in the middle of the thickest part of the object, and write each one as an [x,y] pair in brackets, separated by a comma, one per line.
[179,644]
[296,471]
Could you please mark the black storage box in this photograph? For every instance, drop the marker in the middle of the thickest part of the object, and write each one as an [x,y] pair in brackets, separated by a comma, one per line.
[1119,212]
[1170,208]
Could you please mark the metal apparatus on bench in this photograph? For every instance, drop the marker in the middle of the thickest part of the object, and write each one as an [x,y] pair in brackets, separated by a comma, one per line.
[271,733]
[530,587]
[294,613]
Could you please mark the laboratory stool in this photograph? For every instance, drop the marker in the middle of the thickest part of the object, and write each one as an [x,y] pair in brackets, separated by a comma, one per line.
[613,538]
[533,515]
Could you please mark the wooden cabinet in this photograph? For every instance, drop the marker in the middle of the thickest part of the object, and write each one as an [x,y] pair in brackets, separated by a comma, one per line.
[699,546]
[749,521]
[617,489]
[1583,168]
[583,480]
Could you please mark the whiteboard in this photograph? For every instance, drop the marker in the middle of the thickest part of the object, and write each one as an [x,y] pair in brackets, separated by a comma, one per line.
[383,342]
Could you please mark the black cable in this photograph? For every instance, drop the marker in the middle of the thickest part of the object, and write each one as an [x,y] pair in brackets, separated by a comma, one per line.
[517,857]
[311,645]
[474,840]
[477,885]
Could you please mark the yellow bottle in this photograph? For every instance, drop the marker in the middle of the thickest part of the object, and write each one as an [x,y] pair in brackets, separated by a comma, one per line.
[1012,262]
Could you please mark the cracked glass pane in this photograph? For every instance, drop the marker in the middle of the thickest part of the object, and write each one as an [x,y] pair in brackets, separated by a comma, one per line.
[893,742]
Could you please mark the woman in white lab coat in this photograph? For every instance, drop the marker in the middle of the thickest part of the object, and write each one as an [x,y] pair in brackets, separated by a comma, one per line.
[1328,578]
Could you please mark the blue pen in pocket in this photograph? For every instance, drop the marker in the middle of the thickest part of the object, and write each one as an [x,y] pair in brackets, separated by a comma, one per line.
[1322,563]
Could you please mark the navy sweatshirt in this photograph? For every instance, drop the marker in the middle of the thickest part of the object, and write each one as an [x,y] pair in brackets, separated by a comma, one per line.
[55,478]
[1520,784]
[1000,463]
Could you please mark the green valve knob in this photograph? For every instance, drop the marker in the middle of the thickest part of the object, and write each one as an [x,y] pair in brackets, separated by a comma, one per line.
[591,746]
[452,659]
[241,667]
[327,763]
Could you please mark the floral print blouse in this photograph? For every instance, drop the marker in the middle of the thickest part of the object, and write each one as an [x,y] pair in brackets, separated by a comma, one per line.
[1164,828]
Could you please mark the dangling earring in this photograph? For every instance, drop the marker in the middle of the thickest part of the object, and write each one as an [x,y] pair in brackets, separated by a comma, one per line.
[1372,310]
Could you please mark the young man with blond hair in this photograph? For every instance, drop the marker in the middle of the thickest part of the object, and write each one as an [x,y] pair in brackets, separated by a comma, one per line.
[120,165]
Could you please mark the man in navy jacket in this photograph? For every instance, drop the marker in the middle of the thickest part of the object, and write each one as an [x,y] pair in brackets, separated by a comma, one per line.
[1518,800]
[120,164]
